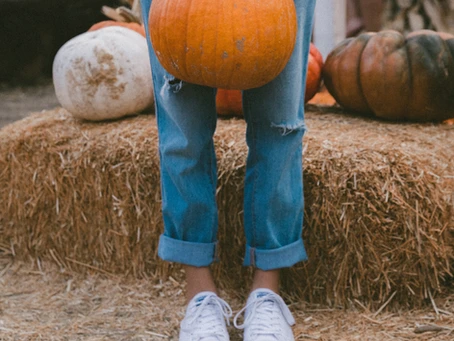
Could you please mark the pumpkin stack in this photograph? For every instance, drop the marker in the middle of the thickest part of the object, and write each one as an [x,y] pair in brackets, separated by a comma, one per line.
[193,42]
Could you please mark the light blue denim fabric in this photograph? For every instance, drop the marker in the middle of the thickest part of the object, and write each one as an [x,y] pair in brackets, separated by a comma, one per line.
[273,194]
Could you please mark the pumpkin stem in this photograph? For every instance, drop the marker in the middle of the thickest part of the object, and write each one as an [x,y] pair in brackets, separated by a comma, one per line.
[128,14]
[136,9]
[124,14]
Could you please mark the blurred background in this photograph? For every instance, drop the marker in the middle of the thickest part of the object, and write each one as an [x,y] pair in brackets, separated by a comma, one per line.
[32,31]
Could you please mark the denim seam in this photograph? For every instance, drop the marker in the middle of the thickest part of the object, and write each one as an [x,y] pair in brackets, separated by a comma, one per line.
[254,177]
[262,257]
[210,172]
[254,189]
[213,174]
[180,251]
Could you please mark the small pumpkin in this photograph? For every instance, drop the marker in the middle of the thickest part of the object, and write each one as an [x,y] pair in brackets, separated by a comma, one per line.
[229,102]
[394,77]
[229,44]
[136,27]
[103,74]
[314,73]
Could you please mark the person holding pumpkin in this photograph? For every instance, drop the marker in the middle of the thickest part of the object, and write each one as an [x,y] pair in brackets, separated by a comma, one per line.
[273,194]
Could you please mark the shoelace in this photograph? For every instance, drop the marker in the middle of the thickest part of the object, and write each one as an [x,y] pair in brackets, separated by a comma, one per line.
[207,320]
[261,318]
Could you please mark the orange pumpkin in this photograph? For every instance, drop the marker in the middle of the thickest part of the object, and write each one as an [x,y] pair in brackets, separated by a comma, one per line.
[229,44]
[229,103]
[314,73]
[131,25]
[394,77]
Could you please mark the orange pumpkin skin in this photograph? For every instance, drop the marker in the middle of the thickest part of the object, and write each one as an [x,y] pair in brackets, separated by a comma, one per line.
[228,44]
[316,54]
[229,102]
[131,25]
[394,77]
[314,73]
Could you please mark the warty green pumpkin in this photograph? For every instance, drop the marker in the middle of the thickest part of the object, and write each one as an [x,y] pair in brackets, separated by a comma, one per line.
[394,77]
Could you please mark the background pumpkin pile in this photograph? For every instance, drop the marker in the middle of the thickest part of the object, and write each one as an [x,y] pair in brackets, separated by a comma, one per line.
[228,102]
[384,74]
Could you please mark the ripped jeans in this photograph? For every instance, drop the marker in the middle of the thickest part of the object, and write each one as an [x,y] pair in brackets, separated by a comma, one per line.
[273,188]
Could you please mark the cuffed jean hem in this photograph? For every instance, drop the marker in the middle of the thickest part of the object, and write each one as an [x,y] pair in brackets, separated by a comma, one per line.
[283,257]
[188,253]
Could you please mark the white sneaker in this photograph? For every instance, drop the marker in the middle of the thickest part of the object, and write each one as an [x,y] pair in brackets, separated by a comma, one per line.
[205,319]
[267,318]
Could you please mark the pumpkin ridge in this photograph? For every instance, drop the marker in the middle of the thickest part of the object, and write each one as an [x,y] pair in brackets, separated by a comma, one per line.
[450,47]
[219,14]
[410,77]
[282,65]
[203,74]
[441,54]
[179,66]
[234,52]
[259,29]
[175,58]
[416,111]
[327,76]
[156,37]
[276,37]
[289,23]
[450,53]
[358,74]
[186,69]
[165,36]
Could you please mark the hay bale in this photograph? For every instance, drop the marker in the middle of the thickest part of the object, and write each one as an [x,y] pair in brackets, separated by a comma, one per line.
[379,203]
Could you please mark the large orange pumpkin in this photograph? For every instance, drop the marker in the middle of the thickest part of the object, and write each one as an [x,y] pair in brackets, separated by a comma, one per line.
[229,44]
[394,77]
[229,102]
[107,23]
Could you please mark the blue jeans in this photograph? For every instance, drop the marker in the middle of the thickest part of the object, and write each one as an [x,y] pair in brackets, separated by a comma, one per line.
[273,189]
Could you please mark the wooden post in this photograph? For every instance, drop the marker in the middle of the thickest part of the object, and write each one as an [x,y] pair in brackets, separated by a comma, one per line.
[330,24]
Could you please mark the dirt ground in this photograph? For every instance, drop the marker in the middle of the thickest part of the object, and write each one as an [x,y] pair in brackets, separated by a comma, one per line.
[42,302]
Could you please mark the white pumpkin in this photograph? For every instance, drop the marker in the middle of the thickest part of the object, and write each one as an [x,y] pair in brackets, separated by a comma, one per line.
[103,74]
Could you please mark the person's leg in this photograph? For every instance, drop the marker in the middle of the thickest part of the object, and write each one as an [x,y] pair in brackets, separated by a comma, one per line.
[273,197]
[186,117]
[199,279]
[266,279]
